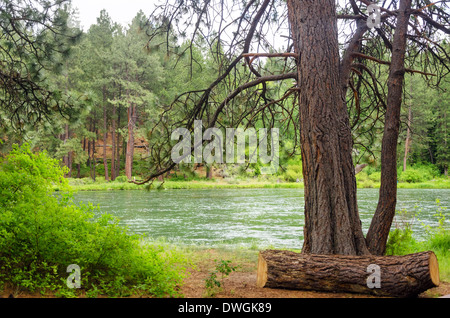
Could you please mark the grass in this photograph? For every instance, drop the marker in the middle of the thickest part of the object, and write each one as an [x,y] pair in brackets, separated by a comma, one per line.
[363,181]
[87,184]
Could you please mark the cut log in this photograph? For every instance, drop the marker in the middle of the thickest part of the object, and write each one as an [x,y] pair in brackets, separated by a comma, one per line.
[391,276]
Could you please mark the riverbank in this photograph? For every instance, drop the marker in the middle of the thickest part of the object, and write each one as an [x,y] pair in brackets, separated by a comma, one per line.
[87,184]
[240,283]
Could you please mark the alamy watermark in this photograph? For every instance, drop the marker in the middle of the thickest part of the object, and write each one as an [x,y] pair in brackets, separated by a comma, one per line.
[214,151]
[374,16]
[74,279]
[374,279]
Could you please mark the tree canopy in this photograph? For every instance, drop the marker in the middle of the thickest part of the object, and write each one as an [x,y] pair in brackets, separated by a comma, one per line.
[340,91]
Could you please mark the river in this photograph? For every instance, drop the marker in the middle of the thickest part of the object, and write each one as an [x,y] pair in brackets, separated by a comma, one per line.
[248,217]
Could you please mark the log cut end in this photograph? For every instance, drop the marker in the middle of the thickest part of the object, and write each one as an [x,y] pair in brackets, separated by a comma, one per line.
[261,275]
[434,269]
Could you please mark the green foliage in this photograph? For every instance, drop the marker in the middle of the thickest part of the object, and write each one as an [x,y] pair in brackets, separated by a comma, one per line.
[224,269]
[364,181]
[121,179]
[41,233]
[375,176]
[401,240]
[418,173]
[293,172]
[35,36]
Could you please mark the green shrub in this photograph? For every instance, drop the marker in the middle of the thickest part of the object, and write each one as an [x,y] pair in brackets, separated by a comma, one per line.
[41,233]
[363,180]
[212,283]
[418,173]
[400,242]
[293,173]
[375,176]
[411,176]
[121,179]
[362,176]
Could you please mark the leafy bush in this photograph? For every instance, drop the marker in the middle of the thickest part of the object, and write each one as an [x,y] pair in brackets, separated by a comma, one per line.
[400,242]
[121,179]
[418,173]
[293,173]
[375,176]
[41,233]
[363,181]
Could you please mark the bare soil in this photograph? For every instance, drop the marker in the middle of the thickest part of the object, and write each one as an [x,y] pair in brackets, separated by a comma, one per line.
[242,284]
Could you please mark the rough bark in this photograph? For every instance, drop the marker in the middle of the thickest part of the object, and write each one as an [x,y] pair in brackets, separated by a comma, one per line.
[398,276]
[332,224]
[384,214]
[408,138]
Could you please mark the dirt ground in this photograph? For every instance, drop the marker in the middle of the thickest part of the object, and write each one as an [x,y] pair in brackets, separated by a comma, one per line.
[242,284]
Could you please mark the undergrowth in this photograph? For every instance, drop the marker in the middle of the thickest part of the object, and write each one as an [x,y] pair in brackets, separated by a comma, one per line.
[42,233]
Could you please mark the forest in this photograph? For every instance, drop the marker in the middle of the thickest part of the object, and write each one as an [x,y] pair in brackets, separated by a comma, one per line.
[113,85]
[357,101]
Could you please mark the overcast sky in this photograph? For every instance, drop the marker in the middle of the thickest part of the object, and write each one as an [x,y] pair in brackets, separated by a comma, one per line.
[120,11]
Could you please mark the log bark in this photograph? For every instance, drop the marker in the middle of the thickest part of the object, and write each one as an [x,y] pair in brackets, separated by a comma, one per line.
[398,276]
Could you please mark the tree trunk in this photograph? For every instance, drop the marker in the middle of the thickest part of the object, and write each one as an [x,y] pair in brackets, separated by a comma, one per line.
[130,143]
[384,214]
[70,161]
[408,135]
[105,135]
[332,224]
[93,160]
[113,141]
[118,145]
[208,171]
[398,276]
[67,159]
[89,144]
[444,123]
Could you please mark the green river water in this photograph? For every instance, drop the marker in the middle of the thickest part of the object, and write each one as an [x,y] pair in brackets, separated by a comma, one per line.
[247,217]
